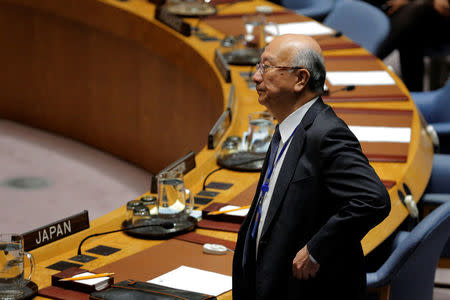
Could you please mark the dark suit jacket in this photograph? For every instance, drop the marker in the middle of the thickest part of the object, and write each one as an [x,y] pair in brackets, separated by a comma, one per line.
[327,197]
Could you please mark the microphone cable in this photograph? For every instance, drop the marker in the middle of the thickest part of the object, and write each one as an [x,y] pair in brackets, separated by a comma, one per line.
[165,225]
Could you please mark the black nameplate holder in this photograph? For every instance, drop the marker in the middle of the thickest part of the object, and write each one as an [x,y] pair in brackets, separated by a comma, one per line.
[55,231]
[157,2]
[173,21]
[231,101]
[219,129]
[184,165]
[222,66]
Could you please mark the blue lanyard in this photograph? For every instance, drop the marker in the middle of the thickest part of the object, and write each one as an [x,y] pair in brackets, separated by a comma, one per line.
[265,186]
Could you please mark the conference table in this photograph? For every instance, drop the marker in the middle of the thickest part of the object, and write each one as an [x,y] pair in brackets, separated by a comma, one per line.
[108,74]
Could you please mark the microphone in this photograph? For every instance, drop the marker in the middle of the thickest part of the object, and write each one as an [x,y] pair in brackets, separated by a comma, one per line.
[165,225]
[330,36]
[345,88]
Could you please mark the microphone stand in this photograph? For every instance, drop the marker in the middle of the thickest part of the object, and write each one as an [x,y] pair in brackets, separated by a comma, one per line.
[345,88]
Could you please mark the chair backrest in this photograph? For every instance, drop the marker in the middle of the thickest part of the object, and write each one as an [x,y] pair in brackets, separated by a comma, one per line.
[440,174]
[441,105]
[363,23]
[295,4]
[411,267]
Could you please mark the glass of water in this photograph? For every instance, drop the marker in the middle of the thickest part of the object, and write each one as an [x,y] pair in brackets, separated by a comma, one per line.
[260,131]
[12,279]
[174,200]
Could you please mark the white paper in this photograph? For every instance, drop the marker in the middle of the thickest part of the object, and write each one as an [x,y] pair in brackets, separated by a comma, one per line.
[382,134]
[241,212]
[360,78]
[195,280]
[92,281]
[307,28]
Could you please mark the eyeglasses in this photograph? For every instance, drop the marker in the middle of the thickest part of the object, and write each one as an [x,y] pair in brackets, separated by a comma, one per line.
[262,68]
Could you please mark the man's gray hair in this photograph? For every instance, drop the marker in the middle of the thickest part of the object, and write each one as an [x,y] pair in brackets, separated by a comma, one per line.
[313,62]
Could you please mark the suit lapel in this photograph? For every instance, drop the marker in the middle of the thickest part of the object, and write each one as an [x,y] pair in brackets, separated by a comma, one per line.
[290,163]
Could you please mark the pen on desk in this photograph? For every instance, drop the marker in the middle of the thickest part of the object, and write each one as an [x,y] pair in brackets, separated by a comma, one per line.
[219,212]
[87,277]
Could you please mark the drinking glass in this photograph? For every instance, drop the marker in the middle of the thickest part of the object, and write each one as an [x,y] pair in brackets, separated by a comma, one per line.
[254,30]
[12,279]
[260,131]
[174,200]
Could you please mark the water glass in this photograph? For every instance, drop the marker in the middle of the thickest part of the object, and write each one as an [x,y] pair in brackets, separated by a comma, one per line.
[260,131]
[174,200]
[141,215]
[12,254]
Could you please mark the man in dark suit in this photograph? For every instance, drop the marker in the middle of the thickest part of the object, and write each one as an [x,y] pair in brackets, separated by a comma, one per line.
[317,196]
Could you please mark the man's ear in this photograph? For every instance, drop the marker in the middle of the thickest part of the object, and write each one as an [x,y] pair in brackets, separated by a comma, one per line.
[303,77]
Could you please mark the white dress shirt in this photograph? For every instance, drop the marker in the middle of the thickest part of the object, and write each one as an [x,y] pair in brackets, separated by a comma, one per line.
[286,128]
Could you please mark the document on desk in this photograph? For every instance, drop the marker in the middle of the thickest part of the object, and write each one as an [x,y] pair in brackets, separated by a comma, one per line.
[195,280]
[307,28]
[382,134]
[360,78]
[236,211]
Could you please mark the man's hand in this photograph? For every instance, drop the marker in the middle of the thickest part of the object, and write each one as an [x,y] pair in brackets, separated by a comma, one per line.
[395,5]
[302,266]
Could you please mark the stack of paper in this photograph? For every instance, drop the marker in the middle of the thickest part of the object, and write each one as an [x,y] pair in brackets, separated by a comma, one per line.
[195,280]
[307,28]
[360,78]
[382,134]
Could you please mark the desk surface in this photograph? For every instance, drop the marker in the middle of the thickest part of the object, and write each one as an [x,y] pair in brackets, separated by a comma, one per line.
[107,74]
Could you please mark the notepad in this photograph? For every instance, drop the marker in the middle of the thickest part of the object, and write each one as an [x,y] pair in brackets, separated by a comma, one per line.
[195,280]
[307,28]
[241,213]
[382,134]
[360,78]
[98,283]
[85,285]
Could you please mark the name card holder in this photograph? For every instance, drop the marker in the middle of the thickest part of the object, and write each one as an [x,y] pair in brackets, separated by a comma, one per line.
[231,98]
[222,66]
[55,231]
[184,164]
[157,2]
[219,129]
[173,21]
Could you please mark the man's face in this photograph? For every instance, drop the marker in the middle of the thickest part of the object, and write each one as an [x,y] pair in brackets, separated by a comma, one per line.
[275,85]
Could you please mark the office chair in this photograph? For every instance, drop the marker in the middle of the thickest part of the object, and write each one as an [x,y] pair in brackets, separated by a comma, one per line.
[439,64]
[435,108]
[438,193]
[316,9]
[363,23]
[409,271]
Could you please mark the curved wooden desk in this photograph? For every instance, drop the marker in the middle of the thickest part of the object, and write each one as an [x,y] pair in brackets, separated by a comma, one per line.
[107,74]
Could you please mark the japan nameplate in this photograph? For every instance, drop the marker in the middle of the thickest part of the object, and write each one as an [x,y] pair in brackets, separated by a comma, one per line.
[55,231]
